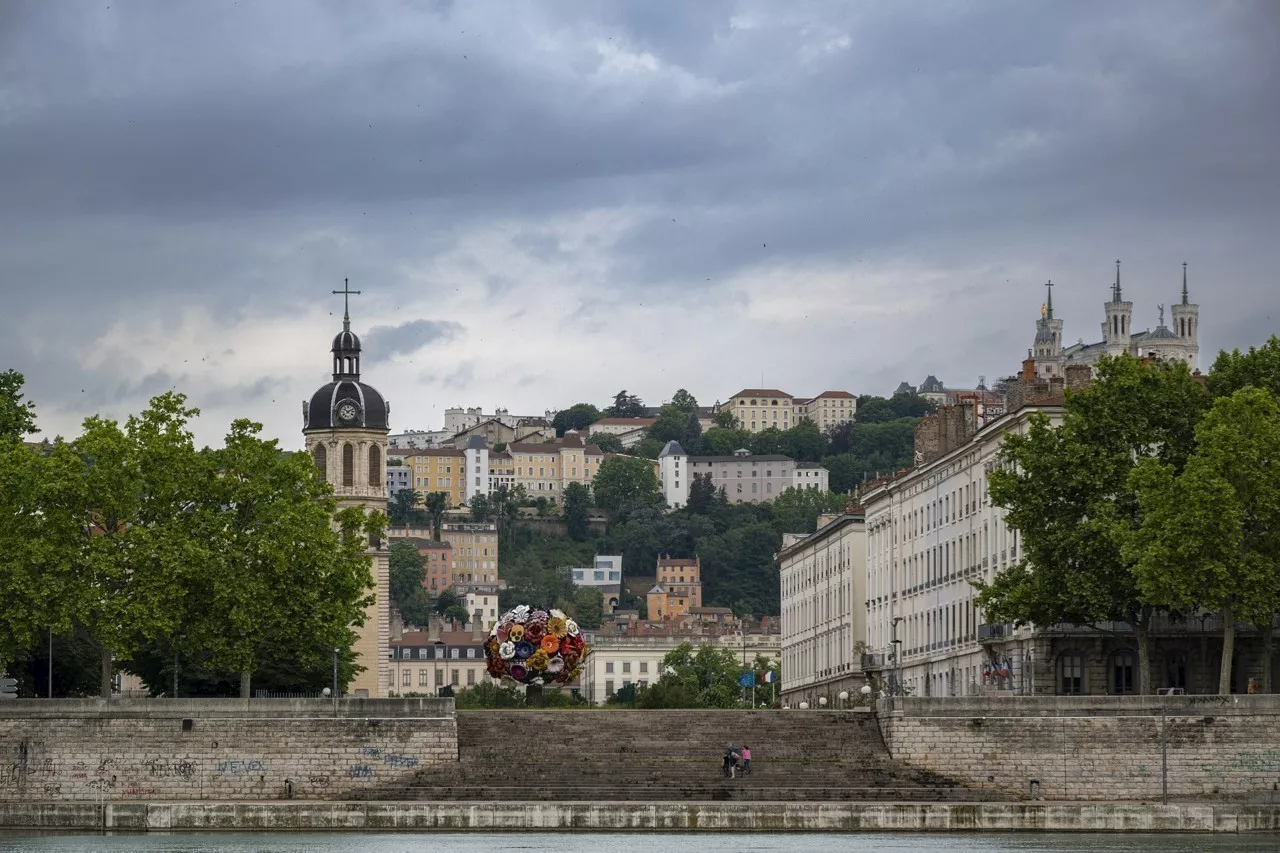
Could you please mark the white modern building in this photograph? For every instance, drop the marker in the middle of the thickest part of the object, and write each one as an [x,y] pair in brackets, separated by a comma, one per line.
[476,468]
[824,616]
[418,439]
[606,571]
[616,662]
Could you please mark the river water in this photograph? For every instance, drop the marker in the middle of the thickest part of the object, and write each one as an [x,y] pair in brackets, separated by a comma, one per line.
[576,842]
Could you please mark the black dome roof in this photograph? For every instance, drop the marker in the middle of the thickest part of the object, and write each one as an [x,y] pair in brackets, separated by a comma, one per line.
[322,411]
[346,341]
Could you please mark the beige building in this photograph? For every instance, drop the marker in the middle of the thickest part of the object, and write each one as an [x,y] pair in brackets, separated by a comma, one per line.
[678,590]
[758,409]
[620,426]
[344,426]
[424,662]
[545,468]
[824,619]
[617,661]
[828,410]
[475,551]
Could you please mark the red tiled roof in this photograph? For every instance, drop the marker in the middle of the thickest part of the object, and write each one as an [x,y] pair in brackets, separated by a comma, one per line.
[844,395]
[761,392]
[626,421]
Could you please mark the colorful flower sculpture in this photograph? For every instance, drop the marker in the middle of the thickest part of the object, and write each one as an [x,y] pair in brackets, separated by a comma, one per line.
[535,647]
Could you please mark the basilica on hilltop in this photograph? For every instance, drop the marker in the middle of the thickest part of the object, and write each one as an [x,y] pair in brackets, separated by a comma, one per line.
[1179,343]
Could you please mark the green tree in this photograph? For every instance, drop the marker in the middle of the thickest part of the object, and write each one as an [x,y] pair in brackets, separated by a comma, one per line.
[403,509]
[282,576]
[705,677]
[625,406]
[407,570]
[804,442]
[719,441]
[481,507]
[624,480]
[607,442]
[578,417]
[685,402]
[797,510]
[417,608]
[669,426]
[768,442]
[446,600]
[878,409]
[436,503]
[1066,491]
[1259,367]
[17,418]
[647,448]
[147,531]
[586,607]
[577,501]
[1210,535]
[725,419]
[702,494]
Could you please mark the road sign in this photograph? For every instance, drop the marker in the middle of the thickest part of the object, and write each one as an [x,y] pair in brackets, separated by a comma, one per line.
[8,688]
[747,679]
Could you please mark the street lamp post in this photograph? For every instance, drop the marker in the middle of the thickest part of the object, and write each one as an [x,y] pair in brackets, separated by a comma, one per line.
[897,660]
[335,675]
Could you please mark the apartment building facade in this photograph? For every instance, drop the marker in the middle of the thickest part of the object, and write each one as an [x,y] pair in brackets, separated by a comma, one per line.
[745,478]
[424,662]
[823,577]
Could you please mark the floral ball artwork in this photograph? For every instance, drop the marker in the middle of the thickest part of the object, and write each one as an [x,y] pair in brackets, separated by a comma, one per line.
[535,647]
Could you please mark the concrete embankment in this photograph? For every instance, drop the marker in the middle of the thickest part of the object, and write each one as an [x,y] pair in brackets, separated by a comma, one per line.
[674,817]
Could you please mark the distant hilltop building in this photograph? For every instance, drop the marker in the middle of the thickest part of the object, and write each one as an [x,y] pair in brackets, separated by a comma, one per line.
[1179,343]
[758,409]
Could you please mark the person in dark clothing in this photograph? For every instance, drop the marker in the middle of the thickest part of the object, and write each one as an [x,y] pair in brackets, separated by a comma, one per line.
[728,763]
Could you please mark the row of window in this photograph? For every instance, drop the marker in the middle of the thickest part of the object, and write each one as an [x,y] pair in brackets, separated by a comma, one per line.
[626,666]
[424,678]
[348,471]
[435,653]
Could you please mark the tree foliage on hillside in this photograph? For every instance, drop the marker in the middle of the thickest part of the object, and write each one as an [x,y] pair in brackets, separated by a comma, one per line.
[578,417]
[626,406]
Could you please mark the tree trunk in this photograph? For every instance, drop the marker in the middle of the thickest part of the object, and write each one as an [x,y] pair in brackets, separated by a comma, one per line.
[1228,649]
[533,696]
[1142,634]
[108,670]
[244,684]
[1267,633]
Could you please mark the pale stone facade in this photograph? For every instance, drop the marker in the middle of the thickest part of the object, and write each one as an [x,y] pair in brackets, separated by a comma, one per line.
[744,478]
[616,662]
[824,618]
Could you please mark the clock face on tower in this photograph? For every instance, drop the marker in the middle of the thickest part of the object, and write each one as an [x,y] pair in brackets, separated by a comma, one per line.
[347,413]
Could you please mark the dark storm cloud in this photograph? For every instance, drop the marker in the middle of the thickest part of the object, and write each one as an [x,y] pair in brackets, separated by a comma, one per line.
[242,159]
[384,342]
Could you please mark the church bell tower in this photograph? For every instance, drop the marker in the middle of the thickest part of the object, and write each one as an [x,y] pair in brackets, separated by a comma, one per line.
[345,426]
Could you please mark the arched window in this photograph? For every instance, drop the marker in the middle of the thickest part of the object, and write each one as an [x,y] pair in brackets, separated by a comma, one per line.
[1071,673]
[1124,678]
[321,457]
[348,465]
[375,465]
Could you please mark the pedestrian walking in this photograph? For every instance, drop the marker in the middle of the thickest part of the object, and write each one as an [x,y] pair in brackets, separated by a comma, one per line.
[746,759]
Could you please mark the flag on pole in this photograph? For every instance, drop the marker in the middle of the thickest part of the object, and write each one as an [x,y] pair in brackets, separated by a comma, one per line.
[770,676]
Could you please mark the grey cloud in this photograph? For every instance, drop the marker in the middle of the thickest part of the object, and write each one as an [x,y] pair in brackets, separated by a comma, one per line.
[163,156]
[385,342]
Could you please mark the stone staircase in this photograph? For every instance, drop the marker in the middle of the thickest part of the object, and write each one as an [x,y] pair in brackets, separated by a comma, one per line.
[608,755]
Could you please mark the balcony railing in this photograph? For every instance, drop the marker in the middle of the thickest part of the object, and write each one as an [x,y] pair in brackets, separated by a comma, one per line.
[874,661]
[994,632]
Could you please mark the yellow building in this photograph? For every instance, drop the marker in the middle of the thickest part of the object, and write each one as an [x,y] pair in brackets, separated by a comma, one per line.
[438,470]
[475,550]
[544,469]
[758,409]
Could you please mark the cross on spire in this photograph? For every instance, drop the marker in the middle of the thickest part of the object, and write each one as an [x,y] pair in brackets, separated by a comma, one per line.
[1185,300]
[347,293]
[1049,306]
[1116,288]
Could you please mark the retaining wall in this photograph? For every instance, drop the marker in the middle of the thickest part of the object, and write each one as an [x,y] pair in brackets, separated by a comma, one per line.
[1096,748]
[214,749]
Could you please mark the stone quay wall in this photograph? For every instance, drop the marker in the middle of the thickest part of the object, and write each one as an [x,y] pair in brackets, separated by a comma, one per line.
[642,817]
[216,749]
[1107,748]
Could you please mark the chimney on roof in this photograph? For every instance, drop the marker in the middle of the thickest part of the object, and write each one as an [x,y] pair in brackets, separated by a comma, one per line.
[1029,369]
[477,628]
[1079,376]
[433,628]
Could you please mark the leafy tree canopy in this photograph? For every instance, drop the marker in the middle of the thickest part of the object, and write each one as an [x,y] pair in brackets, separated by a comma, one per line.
[578,417]
[626,480]
[625,406]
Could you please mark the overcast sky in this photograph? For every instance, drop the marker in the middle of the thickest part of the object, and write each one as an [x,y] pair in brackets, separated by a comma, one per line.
[546,202]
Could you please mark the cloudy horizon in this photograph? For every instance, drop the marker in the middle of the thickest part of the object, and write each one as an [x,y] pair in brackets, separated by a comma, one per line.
[544,203]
